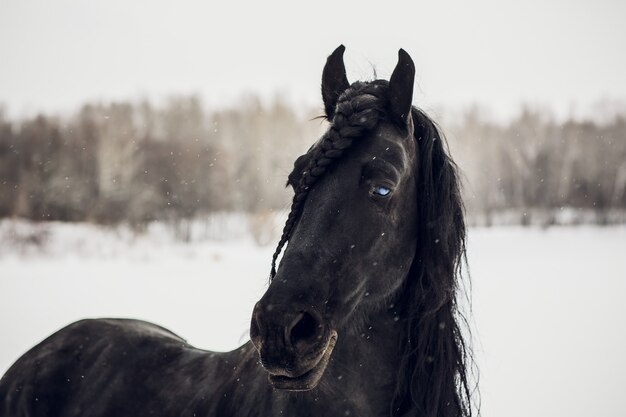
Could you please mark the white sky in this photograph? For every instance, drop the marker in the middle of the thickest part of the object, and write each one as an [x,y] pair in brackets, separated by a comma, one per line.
[565,55]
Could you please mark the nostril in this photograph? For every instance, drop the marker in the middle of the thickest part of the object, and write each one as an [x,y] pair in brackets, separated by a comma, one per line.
[303,329]
[255,330]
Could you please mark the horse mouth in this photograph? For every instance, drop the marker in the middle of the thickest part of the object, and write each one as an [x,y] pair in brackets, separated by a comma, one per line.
[310,378]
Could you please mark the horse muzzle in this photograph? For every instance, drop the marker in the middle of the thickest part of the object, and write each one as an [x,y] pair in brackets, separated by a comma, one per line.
[294,347]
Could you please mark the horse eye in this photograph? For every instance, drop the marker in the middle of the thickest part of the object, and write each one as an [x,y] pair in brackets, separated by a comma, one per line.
[381,190]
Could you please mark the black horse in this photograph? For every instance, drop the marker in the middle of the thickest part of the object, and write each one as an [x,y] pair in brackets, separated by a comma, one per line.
[360,319]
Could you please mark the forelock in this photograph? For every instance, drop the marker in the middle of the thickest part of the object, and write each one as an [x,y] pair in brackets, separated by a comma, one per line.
[359,109]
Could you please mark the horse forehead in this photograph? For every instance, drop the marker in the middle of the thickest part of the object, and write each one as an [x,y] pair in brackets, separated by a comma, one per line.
[387,143]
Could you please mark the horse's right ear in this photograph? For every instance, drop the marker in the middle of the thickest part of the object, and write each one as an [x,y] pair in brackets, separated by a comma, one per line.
[334,81]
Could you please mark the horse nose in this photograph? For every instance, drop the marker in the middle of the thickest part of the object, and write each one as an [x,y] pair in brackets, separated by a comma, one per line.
[255,328]
[276,328]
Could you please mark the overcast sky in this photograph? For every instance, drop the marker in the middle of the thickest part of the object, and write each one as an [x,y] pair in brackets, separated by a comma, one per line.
[566,55]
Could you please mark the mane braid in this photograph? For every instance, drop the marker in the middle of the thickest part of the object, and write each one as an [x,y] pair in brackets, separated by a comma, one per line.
[359,110]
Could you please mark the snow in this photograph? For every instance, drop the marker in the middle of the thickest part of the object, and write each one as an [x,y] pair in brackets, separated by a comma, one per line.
[548,304]
[550,310]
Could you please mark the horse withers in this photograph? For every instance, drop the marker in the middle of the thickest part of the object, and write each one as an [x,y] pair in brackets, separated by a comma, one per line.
[360,318]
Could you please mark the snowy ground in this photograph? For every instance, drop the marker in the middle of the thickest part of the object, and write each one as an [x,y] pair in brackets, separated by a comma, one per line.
[549,305]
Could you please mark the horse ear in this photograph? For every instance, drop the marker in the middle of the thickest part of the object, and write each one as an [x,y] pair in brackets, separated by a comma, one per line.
[401,87]
[334,80]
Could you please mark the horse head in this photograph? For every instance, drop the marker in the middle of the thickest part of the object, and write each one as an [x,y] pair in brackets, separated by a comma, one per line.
[376,220]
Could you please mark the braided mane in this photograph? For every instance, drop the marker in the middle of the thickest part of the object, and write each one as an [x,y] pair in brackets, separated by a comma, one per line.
[359,110]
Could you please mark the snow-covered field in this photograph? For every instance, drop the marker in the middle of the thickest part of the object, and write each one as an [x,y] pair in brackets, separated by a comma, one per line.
[549,306]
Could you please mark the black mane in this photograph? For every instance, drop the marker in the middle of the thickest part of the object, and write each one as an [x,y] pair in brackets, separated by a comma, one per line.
[434,376]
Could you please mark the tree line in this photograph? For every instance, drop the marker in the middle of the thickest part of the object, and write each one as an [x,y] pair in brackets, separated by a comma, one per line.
[137,162]
[536,164]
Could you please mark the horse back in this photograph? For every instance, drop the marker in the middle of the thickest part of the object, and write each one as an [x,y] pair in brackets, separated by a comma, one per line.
[106,367]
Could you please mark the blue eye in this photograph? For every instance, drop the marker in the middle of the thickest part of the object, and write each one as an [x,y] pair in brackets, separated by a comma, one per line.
[381,190]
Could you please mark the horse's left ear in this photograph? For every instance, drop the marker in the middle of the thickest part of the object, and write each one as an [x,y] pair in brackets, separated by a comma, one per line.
[401,87]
